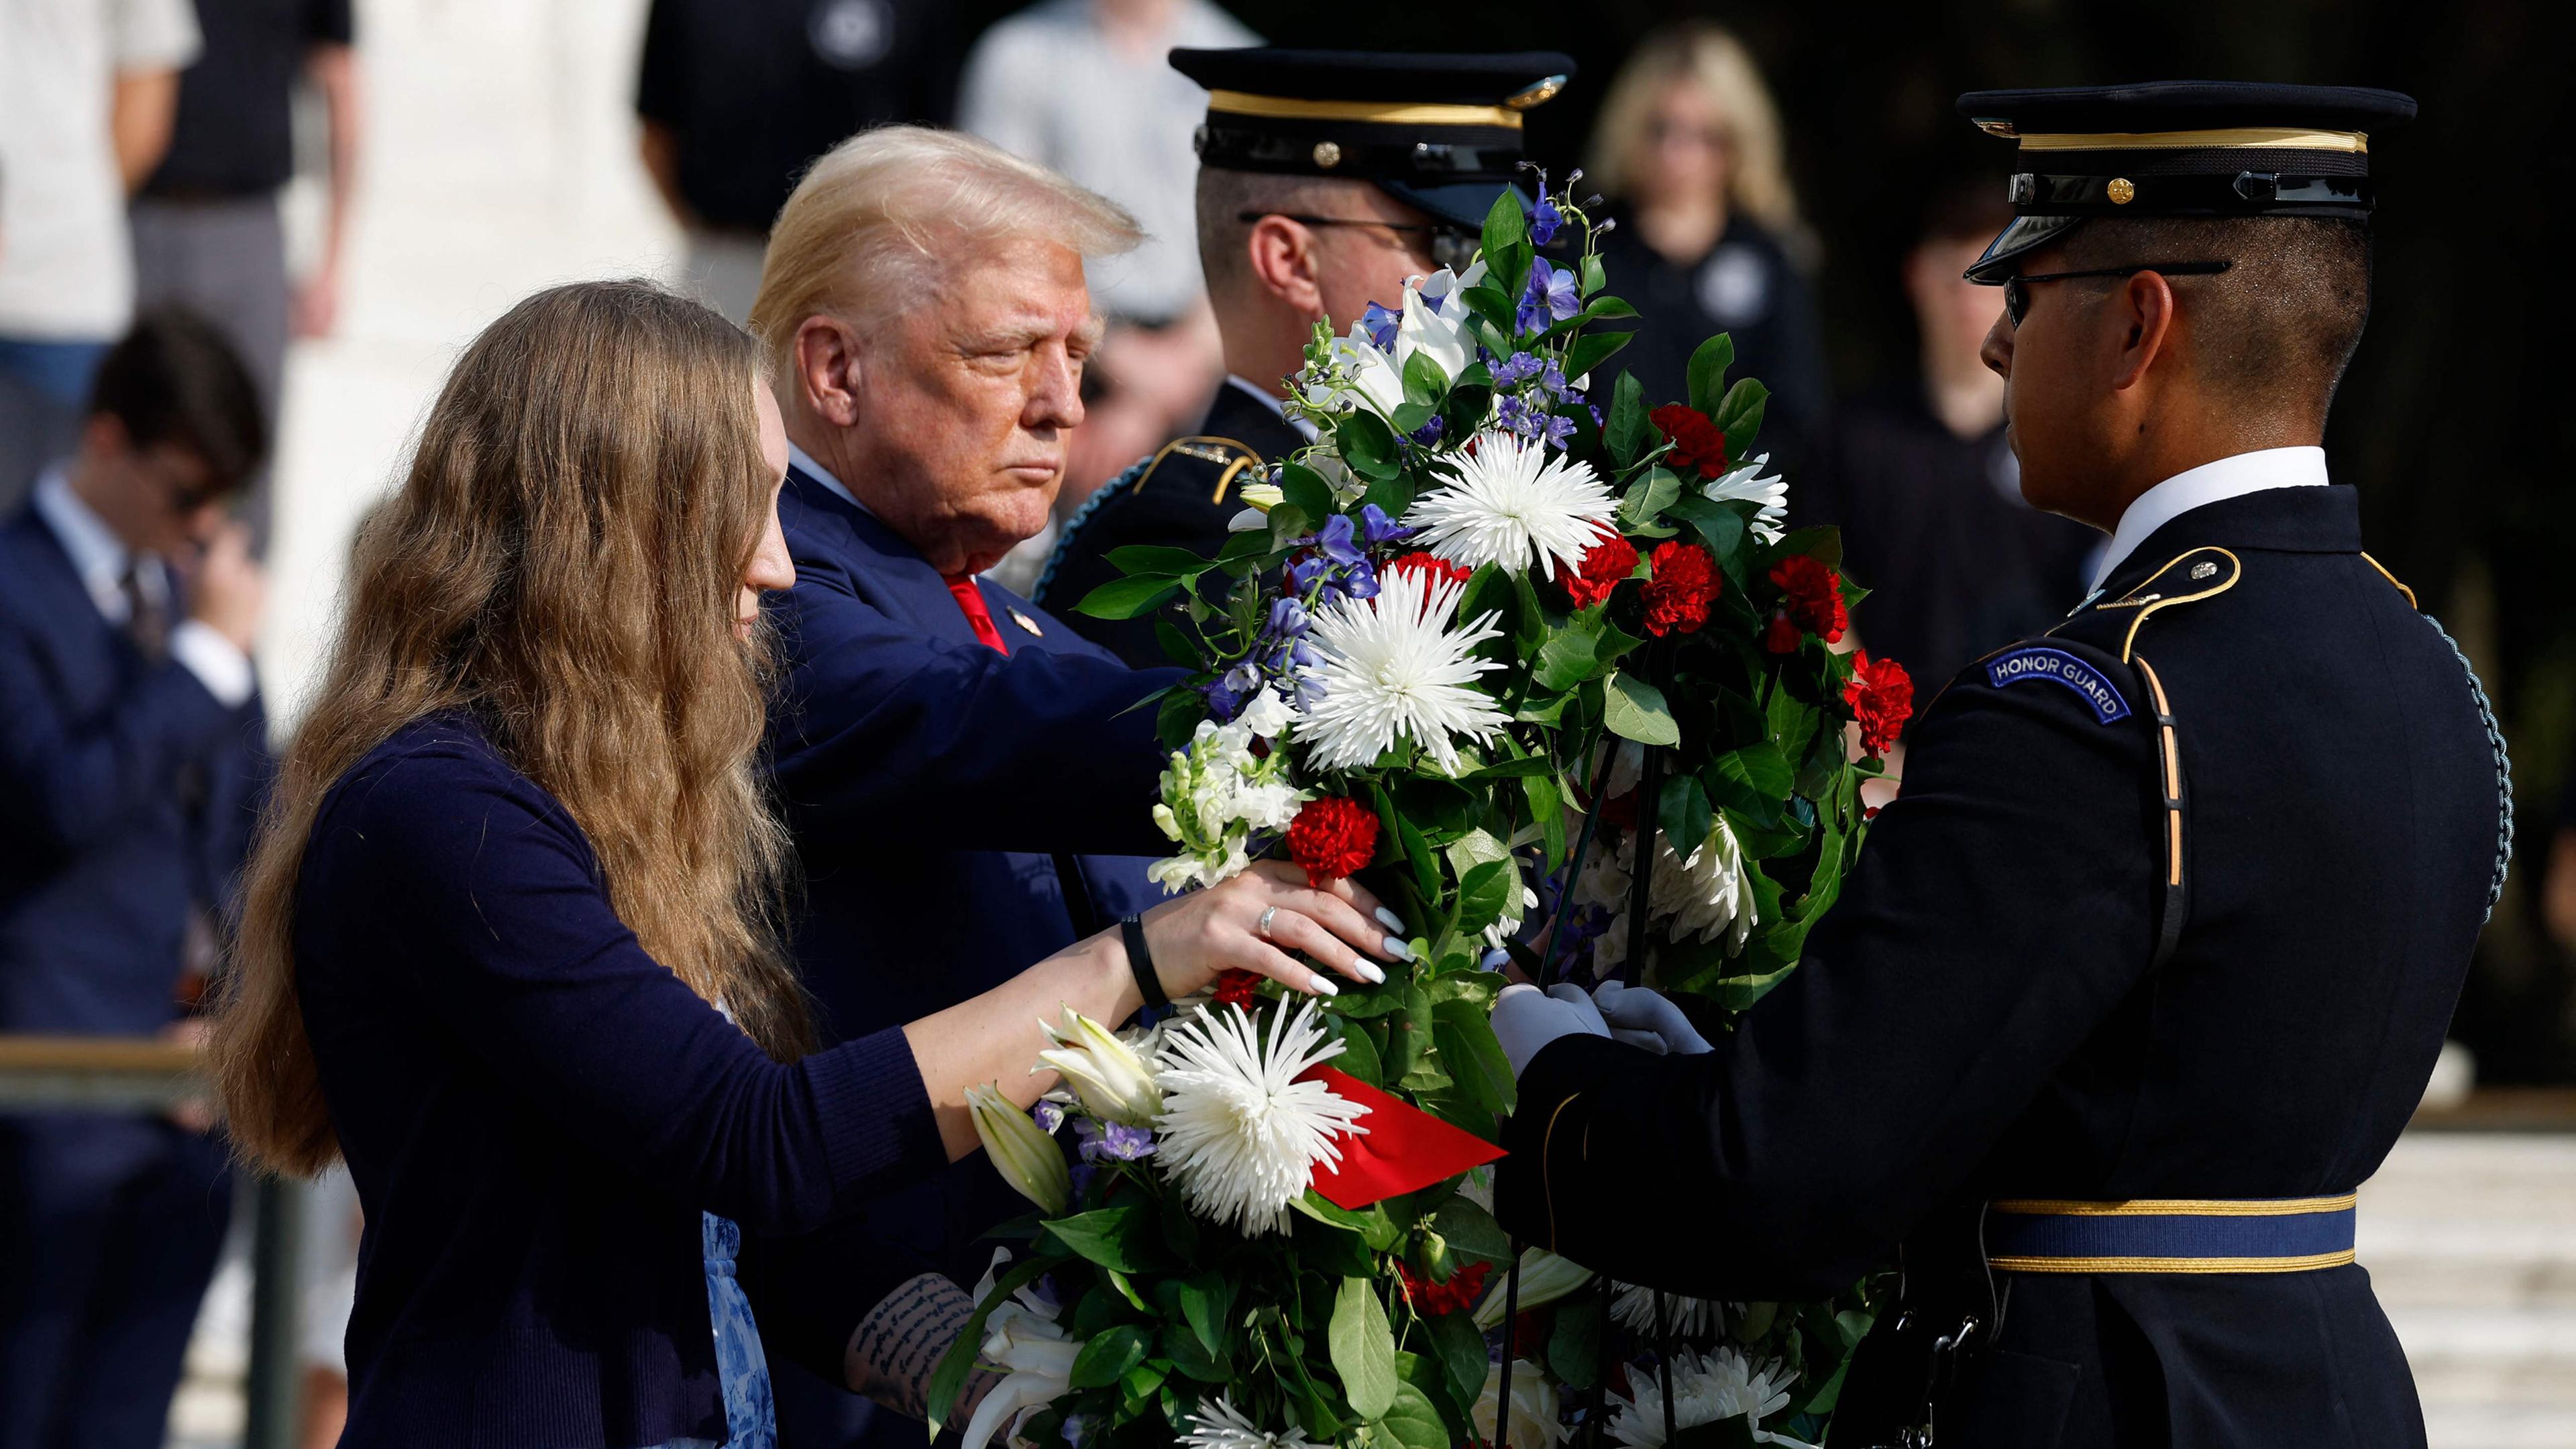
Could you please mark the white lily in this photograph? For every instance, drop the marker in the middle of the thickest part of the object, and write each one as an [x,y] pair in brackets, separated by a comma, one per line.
[1110,1078]
[1025,1156]
[1747,485]
[1535,1424]
[1022,1338]
[1545,1278]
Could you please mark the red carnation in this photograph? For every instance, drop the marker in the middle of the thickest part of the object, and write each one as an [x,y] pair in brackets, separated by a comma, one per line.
[1678,591]
[1455,1296]
[1696,441]
[1332,837]
[1811,600]
[1881,696]
[1238,988]
[1609,560]
[1435,569]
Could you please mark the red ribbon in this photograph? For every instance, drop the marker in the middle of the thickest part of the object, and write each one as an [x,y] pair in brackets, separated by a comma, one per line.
[1404,1150]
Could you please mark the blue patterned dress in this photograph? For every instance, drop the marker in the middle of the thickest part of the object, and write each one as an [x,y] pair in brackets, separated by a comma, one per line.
[751,1420]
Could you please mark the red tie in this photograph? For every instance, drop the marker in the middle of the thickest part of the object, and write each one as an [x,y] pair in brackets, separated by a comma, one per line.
[971,599]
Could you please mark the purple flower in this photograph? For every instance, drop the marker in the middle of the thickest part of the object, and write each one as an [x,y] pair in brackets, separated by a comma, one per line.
[1073,1429]
[1553,379]
[1380,325]
[1117,1141]
[1550,295]
[1376,527]
[1337,539]
[1082,1173]
[1288,620]
[1521,368]
[1429,433]
[1360,582]
[1559,428]
[1545,219]
[1049,1115]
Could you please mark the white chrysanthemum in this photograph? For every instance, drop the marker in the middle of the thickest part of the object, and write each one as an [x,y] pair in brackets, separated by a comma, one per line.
[1747,485]
[1698,898]
[1686,1317]
[1709,1389]
[1515,504]
[1535,1422]
[1391,668]
[1217,1424]
[1240,1134]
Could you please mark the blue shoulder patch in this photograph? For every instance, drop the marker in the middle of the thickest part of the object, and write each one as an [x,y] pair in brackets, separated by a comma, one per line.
[2037,661]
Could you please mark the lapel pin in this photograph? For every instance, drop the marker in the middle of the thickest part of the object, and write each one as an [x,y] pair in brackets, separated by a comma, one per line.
[1025,622]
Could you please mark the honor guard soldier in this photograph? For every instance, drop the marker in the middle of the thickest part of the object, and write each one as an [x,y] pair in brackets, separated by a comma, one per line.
[2147,968]
[1326,179]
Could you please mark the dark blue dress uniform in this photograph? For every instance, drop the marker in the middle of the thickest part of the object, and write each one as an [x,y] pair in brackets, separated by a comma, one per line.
[944,798]
[127,796]
[2138,980]
[1182,497]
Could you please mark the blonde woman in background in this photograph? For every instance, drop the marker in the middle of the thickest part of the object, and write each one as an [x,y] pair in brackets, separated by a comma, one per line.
[1688,148]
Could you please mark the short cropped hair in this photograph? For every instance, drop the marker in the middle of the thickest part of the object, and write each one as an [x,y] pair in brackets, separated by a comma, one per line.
[2279,326]
[1224,196]
[174,379]
[863,234]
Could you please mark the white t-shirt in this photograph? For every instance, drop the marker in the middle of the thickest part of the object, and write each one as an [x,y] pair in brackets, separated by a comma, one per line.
[66,261]
[1046,84]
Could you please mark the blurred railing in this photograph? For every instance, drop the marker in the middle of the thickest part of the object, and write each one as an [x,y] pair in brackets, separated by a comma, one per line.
[118,1074]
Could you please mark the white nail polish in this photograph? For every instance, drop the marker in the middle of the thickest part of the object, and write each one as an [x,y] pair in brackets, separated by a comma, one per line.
[1324,987]
[1397,948]
[1389,919]
[1370,972]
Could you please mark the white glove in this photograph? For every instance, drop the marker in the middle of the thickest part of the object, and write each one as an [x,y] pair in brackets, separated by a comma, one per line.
[1647,1019]
[1525,1020]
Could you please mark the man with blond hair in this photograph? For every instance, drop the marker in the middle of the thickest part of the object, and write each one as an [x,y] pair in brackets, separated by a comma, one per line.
[943,748]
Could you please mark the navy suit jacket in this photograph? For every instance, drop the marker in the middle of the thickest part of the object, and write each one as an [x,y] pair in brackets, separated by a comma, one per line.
[943,797]
[127,793]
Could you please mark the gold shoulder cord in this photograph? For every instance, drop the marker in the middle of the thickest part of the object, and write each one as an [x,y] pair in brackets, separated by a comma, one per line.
[2146,599]
[1207,449]
[1546,1158]
[2392,578]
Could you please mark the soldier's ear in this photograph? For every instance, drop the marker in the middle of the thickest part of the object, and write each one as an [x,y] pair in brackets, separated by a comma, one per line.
[828,369]
[1284,262]
[2142,311]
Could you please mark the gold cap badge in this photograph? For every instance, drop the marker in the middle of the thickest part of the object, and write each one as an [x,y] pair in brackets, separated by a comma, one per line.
[1327,154]
[2122,191]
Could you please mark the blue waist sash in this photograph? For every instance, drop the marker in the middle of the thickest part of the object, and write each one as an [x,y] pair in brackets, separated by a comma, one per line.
[2170,1235]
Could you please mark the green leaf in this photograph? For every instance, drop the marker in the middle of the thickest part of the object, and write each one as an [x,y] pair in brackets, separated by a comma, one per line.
[1648,497]
[1175,645]
[1424,383]
[1207,1301]
[1367,444]
[1127,598]
[1708,367]
[1114,1237]
[1490,302]
[1374,1228]
[1684,814]
[1595,348]
[1411,1421]
[1462,1354]
[1635,710]
[959,1360]
[1740,415]
[1484,894]
[1474,1059]
[1510,770]
[1594,279]
[1108,1356]
[1359,1054]
[1566,659]
[1602,309]
[1192,1357]
[1574,1343]
[1145,560]
[1392,495]
[1628,434]
[1306,490]
[1489,591]
[1363,1349]
[1824,545]
[1721,527]
[1505,229]
[1547,807]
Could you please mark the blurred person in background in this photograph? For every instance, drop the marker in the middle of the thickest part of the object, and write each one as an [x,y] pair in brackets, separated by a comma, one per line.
[131,764]
[739,96]
[87,90]
[1084,87]
[207,234]
[1708,240]
[1327,179]
[1923,483]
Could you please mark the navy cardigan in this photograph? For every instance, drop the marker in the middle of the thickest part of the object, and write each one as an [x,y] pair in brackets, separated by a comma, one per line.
[535,1112]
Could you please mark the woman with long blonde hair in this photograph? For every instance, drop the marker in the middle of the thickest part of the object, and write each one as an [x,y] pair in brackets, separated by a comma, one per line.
[508,944]
[1709,238]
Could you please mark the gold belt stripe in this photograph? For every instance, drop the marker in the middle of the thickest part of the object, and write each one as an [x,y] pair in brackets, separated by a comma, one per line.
[2171,1265]
[2156,1207]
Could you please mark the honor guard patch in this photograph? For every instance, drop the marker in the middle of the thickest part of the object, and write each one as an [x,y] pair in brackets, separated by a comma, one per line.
[2039,662]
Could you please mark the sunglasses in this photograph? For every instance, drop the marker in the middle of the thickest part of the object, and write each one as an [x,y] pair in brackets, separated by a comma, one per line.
[1450,246]
[2017,299]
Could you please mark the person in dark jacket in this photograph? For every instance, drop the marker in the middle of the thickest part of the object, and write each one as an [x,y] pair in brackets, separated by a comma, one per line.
[132,755]
[508,940]
[2147,968]
[1708,240]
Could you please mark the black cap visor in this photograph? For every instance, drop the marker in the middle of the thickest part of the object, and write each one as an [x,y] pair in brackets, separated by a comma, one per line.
[2026,234]
[1462,204]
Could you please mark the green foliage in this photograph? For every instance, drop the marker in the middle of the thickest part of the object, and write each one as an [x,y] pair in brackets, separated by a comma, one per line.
[1708,365]
[1363,1349]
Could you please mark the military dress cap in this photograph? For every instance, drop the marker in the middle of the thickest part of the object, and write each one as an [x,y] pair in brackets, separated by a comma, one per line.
[1438,132]
[2179,148]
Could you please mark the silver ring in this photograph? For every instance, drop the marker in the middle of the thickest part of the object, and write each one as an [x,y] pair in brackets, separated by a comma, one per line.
[1261,928]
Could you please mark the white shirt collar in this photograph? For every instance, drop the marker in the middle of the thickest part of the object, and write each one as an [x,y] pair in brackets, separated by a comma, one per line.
[2209,483]
[823,475]
[97,554]
[1270,400]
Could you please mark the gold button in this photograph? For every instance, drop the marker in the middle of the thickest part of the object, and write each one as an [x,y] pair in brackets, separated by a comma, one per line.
[2121,191]
[1327,155]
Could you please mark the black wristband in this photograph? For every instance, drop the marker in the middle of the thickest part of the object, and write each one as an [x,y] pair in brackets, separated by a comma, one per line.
[1141,961]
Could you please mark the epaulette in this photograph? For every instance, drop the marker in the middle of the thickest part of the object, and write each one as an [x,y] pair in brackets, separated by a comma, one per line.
[2201,573]
[1229,457]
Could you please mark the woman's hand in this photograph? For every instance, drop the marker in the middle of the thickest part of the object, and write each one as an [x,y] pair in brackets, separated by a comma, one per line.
[1255,920]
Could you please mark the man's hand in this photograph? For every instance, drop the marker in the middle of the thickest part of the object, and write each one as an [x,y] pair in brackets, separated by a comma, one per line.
[227,591]
[1648,1019]
[1526,1020]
